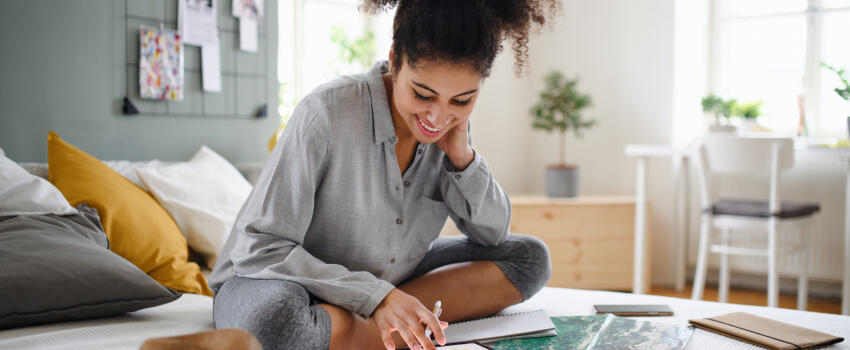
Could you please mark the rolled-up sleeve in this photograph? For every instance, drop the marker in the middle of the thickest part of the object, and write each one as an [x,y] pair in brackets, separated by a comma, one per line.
[271,228]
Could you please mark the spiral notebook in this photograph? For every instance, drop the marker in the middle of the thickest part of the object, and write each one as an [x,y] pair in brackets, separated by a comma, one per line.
[491,329]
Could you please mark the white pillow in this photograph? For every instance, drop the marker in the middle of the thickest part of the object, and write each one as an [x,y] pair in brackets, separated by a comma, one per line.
[203,196]
[22,193]
[127,169]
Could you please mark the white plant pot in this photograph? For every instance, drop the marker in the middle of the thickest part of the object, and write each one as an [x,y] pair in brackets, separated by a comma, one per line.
[747,126]
[722,129]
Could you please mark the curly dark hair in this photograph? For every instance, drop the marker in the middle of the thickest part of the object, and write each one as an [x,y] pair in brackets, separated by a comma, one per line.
[462,31]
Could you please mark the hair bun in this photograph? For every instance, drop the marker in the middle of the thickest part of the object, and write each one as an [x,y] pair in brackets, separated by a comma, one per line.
[464,31]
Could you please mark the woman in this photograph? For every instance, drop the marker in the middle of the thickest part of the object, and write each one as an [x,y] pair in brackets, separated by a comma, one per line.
[338,246]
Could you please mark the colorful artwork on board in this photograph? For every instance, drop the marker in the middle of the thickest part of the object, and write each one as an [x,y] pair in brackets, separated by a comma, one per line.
[160,64]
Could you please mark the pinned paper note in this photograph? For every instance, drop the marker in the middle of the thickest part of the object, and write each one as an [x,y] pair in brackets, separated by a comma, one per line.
[248,9]
[248,35]
[197,20]
[250,13]
[211,66]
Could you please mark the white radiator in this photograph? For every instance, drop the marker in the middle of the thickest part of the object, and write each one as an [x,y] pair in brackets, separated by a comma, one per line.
[813,178]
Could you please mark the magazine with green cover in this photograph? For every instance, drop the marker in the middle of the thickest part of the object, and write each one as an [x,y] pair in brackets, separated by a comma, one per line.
[605,332]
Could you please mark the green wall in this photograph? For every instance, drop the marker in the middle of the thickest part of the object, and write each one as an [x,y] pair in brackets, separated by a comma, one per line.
[65,66]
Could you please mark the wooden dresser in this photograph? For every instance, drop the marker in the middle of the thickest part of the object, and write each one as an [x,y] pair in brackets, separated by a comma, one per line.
[590,239]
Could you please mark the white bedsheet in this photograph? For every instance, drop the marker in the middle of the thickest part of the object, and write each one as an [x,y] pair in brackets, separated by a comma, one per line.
[193,313]
[574,302]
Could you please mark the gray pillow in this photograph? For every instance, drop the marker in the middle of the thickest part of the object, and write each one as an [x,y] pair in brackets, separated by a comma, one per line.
[59,268]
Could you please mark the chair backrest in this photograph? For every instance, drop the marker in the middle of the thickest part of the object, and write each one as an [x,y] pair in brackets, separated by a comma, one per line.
[743,156]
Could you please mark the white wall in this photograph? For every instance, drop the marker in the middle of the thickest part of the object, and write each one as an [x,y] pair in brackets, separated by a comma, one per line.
[623,53]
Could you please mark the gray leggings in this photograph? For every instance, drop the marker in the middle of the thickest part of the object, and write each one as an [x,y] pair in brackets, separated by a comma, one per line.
[283,315]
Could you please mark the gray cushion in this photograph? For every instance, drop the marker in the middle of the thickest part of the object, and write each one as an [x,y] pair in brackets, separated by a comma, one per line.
[58,268]
[762,208]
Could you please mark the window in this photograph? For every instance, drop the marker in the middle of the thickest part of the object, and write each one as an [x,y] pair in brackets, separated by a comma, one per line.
[771,50]
[322,39]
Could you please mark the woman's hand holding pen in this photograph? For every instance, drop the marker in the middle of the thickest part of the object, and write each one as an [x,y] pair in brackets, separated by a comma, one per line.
[402,313]
[455,143]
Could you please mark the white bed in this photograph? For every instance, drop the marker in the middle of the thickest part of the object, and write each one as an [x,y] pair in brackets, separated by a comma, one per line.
[193,313]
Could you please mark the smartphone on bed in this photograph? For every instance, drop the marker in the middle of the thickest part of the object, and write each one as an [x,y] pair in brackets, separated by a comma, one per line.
[633,310]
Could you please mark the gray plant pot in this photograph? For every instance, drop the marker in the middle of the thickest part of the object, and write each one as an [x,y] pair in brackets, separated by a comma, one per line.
[848,127]
[562,181]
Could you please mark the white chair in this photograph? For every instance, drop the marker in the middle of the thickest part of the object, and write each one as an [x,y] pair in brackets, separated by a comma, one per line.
[767,158]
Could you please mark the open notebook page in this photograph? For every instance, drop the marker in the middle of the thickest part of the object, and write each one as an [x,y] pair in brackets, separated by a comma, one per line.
[503,326]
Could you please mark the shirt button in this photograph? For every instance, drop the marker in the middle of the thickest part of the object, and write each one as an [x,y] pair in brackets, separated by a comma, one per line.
[396,188]
[419,151]
[398,221]
[457,176]
[406,183]
[392,261]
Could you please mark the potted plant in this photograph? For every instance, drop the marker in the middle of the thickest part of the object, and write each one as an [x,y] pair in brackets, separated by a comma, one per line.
[843,93]
[559,109]
[722,112]
[748,112]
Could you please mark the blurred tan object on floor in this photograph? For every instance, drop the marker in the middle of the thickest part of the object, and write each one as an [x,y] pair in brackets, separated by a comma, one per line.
[220,339]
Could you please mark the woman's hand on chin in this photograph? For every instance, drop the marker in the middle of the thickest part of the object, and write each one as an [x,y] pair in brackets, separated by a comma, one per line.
[402,313]
[455,143]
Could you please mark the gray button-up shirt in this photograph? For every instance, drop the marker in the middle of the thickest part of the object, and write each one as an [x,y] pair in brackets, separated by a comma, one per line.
[332,212]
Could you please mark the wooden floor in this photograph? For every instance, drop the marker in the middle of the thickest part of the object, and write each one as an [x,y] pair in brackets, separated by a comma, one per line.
[755,297]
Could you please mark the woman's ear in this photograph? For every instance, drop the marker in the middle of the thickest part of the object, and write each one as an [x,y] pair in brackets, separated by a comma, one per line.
[391,58]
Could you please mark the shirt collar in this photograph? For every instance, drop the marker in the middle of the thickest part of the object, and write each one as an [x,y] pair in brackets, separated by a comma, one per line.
[382,119]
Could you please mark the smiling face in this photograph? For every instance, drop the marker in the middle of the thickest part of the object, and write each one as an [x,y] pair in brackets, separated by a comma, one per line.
[432,98]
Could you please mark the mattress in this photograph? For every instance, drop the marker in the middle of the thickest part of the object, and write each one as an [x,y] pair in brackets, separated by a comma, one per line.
[193,313]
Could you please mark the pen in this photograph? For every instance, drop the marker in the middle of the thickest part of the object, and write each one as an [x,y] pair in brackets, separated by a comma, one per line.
[438,309]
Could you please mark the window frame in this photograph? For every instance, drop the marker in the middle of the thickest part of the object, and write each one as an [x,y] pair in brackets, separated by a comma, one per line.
[813,13]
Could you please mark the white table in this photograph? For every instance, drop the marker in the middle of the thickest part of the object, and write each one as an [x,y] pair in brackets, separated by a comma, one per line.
[643,153]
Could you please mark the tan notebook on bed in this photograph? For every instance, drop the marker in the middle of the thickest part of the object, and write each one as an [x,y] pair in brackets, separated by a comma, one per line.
[765,332]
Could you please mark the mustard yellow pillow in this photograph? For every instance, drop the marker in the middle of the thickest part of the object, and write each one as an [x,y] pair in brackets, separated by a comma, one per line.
[138,228]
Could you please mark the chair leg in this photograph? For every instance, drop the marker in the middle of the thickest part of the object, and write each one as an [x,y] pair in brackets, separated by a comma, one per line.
[723,288]
[702,258]
[772,271]
[803,282]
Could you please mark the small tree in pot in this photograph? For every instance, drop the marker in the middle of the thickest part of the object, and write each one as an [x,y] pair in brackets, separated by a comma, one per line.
[559,109]
[722,111]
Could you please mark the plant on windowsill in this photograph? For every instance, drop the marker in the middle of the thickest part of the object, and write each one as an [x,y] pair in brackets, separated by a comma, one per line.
[355,55]
[748,112]
[559,109]
[722,112]
[843,93]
